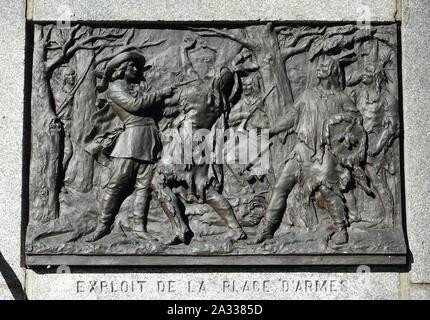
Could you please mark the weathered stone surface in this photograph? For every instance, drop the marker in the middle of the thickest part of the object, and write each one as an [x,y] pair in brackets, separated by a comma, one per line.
[419,293]
[416,115]
[12,42]
[264,286]
[222,10]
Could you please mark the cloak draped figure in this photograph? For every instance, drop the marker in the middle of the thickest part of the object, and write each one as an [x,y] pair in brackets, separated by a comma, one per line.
[312,163]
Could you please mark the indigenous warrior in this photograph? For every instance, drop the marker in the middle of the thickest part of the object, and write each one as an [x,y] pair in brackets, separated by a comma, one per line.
[64,97]
[247,114]
[312,163]
[204,107]
[380,120]
[131,150]
[250,107]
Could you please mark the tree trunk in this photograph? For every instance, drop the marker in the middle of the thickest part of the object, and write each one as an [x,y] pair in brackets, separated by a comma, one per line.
[273,72]
[81,164]
[46,137]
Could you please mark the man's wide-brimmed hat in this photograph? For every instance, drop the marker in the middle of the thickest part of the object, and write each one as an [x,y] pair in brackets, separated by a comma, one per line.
[118,61]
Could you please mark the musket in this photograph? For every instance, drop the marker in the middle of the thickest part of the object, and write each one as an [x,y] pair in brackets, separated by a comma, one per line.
[240,180]
[256,159]
[256,103]
[180,84]
[73,91]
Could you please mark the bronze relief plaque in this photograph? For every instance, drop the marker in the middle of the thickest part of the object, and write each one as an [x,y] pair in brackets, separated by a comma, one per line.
[252,144]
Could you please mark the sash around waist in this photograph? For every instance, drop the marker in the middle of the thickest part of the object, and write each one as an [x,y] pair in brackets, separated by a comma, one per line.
[137,122]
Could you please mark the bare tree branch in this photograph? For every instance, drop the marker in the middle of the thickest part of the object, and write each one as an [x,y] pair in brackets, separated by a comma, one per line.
[53,42]
[127,48]
[286,33]
[69,43]
[72,45]
[152,44]
[94,47]
[303,32]
[130,36]
[108,37]
[80,34]
[288,52]
[83,44]
[71,39]
[47,34]
[212,32]
[110,45]
[281,28]
[54,48]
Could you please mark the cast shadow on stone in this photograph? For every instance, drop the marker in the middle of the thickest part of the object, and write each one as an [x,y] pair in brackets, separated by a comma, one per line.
[11,280]
[224,269]
[409,255]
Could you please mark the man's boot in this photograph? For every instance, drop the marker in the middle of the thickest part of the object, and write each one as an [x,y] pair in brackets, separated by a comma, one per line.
[341,236]
[223,208]
[336,209]
[181,232]
[265,232]
[169,204]
[110,207]
[140,214]
[353,213]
